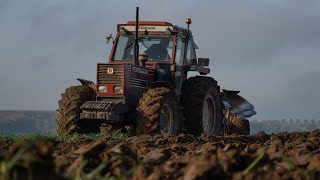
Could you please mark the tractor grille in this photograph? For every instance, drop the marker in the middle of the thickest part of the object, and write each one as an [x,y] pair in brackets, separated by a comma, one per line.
[137,82]
[110,74]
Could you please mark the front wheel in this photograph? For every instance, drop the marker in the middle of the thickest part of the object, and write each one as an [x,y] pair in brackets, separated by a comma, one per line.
[159,112]
[68,112]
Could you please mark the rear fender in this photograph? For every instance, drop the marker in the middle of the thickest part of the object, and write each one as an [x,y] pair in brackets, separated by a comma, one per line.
[88,83]
[161,84]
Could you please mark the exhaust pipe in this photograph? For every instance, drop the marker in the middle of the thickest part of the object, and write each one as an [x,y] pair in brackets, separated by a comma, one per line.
[136,45]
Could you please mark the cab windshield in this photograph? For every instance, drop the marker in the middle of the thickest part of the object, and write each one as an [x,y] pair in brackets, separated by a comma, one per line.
[157,47]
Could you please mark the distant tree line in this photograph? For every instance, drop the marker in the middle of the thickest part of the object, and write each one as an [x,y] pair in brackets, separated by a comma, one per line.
[289,125]
[27,122]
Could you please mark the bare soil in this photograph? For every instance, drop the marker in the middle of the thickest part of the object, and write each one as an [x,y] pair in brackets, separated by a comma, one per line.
[259,156]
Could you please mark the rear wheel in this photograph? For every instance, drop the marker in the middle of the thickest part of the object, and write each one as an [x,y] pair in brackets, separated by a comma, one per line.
[159,112]
[202,105]
[68,112]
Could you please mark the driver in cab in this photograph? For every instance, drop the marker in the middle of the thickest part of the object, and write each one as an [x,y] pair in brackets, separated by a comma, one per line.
[159,51]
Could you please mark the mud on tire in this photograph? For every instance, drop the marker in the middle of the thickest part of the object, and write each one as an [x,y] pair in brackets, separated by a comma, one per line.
[199,95]
[68,112]
[159,112]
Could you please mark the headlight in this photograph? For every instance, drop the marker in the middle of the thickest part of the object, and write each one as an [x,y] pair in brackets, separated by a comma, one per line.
[102,89]
[118,89]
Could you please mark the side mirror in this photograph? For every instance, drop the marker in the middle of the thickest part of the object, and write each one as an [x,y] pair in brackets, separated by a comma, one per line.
[109,37]
[203,61]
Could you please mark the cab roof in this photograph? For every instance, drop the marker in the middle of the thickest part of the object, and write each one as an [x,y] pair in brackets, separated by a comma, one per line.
[159,23]
[163,24]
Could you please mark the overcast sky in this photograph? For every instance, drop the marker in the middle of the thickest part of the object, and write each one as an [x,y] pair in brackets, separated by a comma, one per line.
[267,49]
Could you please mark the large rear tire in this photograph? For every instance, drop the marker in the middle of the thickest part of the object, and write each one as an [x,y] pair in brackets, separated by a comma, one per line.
[202,106]
[159,112]
[68,112]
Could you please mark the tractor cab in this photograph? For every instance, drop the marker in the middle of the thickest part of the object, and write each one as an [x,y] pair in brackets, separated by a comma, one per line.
[160,41]
[161,45]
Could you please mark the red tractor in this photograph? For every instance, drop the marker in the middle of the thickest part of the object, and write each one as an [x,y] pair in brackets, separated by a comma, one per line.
[145,87]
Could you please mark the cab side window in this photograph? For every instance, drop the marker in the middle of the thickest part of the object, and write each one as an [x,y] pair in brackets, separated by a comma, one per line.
[179,51]
[191,53]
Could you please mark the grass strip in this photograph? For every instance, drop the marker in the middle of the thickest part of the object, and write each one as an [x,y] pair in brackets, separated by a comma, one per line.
[254,163]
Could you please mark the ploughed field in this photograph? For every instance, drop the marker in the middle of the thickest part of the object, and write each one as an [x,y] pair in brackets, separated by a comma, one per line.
[259,156]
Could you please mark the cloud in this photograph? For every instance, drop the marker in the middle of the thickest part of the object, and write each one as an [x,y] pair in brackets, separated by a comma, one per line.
[3,4]
[252,31]
[301,96]
[40,62]
[306,84]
